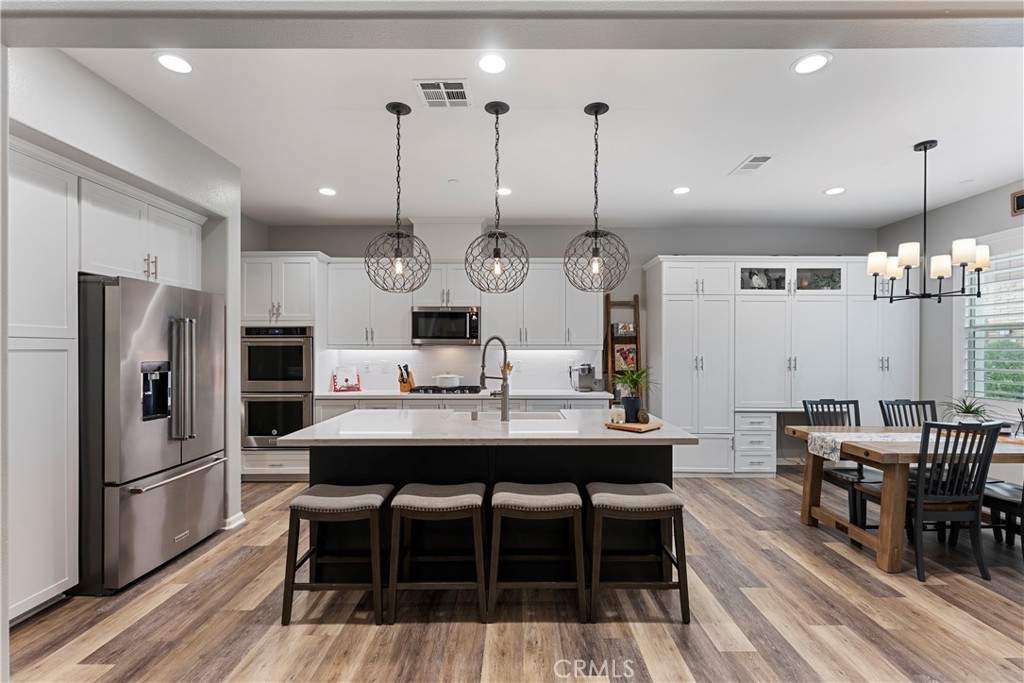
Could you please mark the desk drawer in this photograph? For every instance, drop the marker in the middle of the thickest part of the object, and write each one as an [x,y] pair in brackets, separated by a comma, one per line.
[755,441]
[759,422]
[754,462]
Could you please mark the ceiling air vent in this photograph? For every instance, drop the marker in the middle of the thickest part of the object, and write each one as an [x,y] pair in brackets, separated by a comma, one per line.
[750,164]
[440,94]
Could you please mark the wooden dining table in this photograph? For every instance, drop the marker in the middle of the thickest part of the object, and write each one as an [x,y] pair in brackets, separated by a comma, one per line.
[894,459]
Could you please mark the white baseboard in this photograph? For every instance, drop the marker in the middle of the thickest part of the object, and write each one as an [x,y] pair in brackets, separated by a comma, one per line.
[234,521]
[684,474]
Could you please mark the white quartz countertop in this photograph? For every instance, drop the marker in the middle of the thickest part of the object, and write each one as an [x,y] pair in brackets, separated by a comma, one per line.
[448,428]
[515,394]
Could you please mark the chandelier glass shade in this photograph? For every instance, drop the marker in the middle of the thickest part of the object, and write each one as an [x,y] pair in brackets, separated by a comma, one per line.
[596,260]
[497,262]
[396,260]
[966,254]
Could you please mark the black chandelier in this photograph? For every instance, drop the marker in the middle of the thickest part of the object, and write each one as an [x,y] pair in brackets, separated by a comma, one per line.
[496,261]
[596,260]
[966,253]
[397,261]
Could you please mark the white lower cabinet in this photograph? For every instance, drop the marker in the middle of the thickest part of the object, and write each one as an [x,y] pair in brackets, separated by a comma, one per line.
[326,409]
[712,455]
[43,474]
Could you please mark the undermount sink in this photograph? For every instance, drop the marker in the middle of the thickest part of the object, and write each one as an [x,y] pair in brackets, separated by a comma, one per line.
[512,416]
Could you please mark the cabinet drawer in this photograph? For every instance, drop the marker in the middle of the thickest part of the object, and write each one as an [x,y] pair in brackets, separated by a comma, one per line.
[328,408]
[463,406]
[491,405]
[755,441]
[275,462]
[755,422]
[754,462]
[422,404]
[380,404]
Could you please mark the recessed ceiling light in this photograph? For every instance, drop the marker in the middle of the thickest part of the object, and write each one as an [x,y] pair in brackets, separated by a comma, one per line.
[327,191]
[808,64]
[504,191]
[834,191]
[966,181]
[492,64]
[453,181]
[172,62]
[681,190]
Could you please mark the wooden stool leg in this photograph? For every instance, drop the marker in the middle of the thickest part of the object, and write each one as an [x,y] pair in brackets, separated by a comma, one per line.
[314,528]
[666,542]
[289,568]
[581,578]
[684,591]
[595,570]
[406,547]
[396,550]
[478,549]
[378,599]
[495,550]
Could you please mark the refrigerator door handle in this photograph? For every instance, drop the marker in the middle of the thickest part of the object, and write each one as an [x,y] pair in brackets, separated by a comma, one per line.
[136,490]
[191,326]
[179,430]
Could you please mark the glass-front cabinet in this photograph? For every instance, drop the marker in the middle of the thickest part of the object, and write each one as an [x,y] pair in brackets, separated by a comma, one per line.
[789,279]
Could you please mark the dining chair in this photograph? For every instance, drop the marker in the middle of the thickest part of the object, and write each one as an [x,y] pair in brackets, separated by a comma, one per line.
[1005,500]
[828,412]
[952,466]
[902,412]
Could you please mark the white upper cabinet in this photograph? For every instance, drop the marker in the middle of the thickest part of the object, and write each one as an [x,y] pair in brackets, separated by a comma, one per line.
[772,277]
[881,353]
[763,358]
[502,315]
[348,305]
[42,250]
[279,289]
[676,397]
[544,306]
[715,367]
[697,277]
[360,315]
[584,317]
[174,248]
[859,283]
[114,237]
[818,348]
[122,235]
[447,286]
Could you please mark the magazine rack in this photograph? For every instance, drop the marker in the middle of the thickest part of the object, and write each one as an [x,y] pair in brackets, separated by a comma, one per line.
[618,342]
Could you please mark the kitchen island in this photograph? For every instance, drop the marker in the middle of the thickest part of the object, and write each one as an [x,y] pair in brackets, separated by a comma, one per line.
[399,447]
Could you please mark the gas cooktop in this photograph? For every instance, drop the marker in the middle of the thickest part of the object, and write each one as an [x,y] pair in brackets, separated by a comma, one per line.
[431,389]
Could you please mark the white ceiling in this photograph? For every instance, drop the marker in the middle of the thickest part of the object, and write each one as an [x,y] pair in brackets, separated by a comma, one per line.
[295,120]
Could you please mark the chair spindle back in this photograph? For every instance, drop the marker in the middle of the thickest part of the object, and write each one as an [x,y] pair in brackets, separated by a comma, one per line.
[903,412]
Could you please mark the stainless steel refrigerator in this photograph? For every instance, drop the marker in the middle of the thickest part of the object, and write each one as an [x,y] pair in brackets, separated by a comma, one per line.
[151,383]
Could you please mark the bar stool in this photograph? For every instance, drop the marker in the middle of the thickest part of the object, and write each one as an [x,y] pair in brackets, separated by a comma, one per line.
[538,502]
[432,503]
[638,502]
[329,503]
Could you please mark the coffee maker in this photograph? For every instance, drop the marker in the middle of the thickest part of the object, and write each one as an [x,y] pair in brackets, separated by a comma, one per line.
[585,378]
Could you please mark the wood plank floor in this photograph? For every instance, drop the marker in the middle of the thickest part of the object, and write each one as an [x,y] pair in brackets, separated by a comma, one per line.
[771,600]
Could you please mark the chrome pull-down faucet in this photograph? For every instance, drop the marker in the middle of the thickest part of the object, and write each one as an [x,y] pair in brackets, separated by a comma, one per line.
[503,394]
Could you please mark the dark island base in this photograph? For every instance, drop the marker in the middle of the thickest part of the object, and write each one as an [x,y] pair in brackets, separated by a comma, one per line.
[400,465]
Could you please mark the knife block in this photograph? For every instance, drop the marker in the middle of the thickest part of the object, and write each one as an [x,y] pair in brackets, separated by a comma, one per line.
[406,387]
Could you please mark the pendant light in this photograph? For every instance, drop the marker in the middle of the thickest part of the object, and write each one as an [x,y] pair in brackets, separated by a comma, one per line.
[966,253]
[397,261]
[497,262]
[596,260]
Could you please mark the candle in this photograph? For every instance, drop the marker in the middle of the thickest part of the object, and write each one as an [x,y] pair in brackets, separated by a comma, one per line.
[876,263]
[963,251]
[942,266]
[892,268]
[910,254]
[981,258]
[618,414]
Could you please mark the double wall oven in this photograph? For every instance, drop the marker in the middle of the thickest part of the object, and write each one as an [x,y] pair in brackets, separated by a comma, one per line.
[277,383]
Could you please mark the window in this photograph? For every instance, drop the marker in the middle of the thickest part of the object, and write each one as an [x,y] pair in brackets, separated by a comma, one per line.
[994,325]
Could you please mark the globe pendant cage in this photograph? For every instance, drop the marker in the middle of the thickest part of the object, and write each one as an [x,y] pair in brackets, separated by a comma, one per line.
[397,261]
[497,262]
[596,261]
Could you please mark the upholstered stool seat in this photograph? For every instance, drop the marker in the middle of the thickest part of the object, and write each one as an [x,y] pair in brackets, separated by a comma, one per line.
[538,502]
[330,503]
[643,502]
[434,503]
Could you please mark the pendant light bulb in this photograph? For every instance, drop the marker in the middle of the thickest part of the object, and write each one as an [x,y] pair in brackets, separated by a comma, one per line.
[496,266]
[399,265]
[596,262]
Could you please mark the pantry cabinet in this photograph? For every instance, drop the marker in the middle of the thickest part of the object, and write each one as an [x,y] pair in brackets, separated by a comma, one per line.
[882,354]
[122,235]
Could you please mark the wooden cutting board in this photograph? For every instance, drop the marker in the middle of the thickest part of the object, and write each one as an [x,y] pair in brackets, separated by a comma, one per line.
[634,426]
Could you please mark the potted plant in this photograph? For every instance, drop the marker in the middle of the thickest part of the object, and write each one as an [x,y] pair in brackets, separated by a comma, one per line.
[635,381]
[966,409]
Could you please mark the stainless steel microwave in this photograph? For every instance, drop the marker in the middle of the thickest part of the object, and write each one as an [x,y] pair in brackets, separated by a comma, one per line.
[454,325]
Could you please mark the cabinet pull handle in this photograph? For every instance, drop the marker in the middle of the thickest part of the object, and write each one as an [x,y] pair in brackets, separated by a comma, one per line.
[756,422]
[270,313]
[568,335]
[366,335]
[146,269]
[696,285]
[887,363]
[757,441]
[789,363]
[702,285]
[526,335]
[156,266]
[702,363]
[757,462]
[794,363]
[695,365]
[372,337]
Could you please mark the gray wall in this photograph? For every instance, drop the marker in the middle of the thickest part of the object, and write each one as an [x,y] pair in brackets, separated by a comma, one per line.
[982,214]
[255,235]
[644,244]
